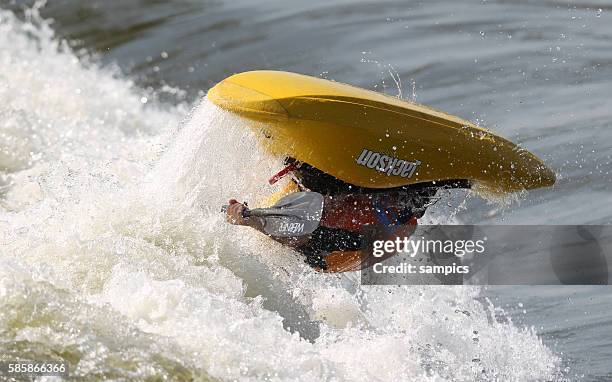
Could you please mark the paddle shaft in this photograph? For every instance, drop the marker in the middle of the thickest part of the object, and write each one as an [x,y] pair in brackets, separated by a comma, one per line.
[258,211]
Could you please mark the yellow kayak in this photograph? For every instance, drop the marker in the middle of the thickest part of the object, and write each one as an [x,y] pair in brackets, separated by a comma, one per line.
[372,140]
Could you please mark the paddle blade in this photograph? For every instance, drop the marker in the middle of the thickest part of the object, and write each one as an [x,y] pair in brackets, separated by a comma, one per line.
[296,214]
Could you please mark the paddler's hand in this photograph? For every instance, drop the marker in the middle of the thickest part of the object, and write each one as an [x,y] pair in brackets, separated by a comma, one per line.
[234,212]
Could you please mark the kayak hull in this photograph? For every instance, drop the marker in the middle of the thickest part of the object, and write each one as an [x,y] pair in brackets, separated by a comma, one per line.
[372,140]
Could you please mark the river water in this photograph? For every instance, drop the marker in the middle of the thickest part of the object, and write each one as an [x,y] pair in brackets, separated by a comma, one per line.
[112,167]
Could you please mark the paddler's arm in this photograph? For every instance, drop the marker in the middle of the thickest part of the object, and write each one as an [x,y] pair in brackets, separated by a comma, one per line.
[234,215]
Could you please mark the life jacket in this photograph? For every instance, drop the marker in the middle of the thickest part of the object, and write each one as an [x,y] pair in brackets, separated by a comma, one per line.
[353,212]
[356,214]
[350,261]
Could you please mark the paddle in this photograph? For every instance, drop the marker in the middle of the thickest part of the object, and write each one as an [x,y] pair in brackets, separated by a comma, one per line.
[296,214]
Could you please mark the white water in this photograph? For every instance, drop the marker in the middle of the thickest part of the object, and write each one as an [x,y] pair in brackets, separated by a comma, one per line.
[114,257]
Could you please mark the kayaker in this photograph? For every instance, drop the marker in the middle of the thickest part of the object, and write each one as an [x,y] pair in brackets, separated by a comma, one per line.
[352,219]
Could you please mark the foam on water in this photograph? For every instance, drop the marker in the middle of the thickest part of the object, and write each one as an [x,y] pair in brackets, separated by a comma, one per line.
[113,255]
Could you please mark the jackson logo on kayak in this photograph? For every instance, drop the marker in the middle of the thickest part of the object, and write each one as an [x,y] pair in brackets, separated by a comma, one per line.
[387,164]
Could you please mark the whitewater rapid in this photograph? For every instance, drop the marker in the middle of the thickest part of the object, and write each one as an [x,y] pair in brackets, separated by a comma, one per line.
[114,257]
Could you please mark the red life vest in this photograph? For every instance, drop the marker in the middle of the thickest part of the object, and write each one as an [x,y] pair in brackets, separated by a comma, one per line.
[352,212]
